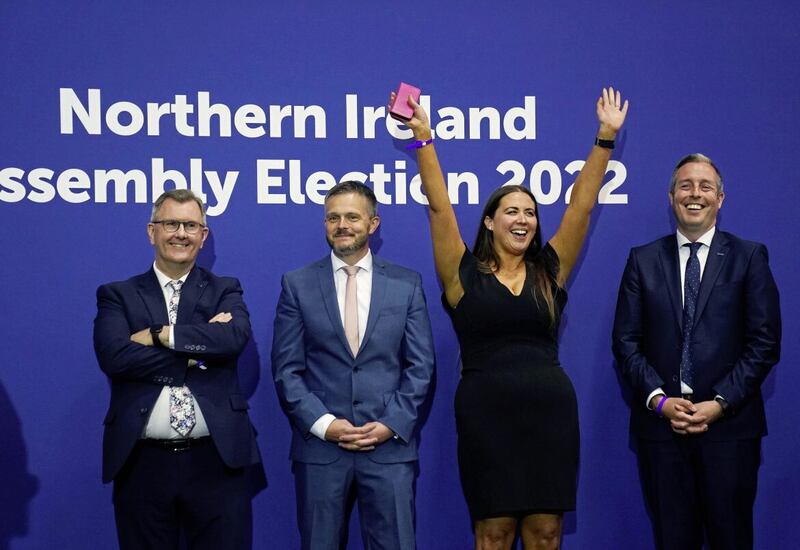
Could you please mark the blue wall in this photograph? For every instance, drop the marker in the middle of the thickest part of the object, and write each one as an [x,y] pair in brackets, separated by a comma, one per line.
[716,77]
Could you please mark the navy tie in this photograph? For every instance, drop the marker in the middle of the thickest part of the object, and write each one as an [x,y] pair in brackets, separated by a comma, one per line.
[691,285]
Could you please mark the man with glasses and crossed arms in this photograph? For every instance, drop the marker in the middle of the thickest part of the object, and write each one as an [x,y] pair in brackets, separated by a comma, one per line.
[177,435]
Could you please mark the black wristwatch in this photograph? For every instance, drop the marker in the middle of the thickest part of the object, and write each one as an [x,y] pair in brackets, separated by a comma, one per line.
[604,143]
[155,330]
[722,403]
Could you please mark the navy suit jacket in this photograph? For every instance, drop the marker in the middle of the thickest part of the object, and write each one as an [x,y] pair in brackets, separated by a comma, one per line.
[735,339]
[315,372]
[138,373]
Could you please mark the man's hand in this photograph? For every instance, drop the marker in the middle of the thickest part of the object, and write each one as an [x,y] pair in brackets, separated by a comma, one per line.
[341,428]
[221,317]
[357,438]
[678,411]
[142,337]
[706,413]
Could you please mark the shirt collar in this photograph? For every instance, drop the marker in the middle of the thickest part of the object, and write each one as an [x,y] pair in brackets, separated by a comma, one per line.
[164,280]
[364,263]
[705,238]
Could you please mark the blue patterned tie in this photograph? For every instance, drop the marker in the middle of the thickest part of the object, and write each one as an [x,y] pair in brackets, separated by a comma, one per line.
[181,402]
[691,285]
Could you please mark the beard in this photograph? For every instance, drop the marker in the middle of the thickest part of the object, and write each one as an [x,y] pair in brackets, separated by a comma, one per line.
[359,243]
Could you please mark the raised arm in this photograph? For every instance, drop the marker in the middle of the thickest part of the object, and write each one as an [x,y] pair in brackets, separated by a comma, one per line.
[448,245]
[569,238]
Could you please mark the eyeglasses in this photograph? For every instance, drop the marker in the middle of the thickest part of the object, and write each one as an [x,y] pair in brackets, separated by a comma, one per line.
[171,226]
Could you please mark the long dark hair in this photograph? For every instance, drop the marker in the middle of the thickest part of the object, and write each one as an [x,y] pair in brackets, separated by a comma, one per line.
[545,271]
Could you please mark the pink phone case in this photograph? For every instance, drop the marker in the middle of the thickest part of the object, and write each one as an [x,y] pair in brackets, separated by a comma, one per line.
[400,109]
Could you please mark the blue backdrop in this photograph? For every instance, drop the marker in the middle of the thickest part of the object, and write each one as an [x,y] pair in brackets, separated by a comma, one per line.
[102,104]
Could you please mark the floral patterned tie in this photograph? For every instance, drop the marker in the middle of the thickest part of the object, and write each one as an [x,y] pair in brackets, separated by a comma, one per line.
[181,402]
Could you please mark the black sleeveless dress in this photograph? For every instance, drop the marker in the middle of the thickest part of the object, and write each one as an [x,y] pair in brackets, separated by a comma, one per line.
[516,411]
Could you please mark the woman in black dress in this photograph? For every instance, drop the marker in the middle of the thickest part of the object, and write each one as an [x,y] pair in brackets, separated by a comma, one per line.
[516,412]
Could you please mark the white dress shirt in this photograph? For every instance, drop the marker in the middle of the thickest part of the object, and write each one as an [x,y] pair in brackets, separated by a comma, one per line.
[363,295]
[158,425]
[683,259]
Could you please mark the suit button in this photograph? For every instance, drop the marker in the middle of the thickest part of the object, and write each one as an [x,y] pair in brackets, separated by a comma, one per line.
[356,369]
[143,410]
[202,348]
[674,377]
[356,403]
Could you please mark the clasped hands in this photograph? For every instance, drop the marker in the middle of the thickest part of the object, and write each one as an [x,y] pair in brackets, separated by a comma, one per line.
[357,438]
[686,417]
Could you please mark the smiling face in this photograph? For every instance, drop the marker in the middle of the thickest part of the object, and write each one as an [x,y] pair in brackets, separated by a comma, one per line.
[349,221]
[696,199]
[176,252]
[513,224]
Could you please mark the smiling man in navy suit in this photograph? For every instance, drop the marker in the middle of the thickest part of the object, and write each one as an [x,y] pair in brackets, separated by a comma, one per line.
[178,439]
[352,358]
[696,332]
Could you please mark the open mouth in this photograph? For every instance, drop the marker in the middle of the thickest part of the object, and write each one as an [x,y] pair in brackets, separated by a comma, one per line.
[519,232]
[694,206]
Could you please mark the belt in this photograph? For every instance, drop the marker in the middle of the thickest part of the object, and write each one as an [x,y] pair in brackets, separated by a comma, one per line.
[176,445]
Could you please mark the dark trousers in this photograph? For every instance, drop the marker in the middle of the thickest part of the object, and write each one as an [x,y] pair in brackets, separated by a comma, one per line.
[696,486]
[163,498]
[385,496]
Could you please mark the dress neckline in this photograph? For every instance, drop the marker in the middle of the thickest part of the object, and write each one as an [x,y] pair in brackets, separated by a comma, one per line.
[521,290]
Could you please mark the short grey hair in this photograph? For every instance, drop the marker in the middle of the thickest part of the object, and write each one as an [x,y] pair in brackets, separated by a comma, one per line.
[180,196]
[694,157]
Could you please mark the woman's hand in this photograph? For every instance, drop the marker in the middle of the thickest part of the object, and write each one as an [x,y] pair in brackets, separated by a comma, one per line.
[419,122]
[611,113]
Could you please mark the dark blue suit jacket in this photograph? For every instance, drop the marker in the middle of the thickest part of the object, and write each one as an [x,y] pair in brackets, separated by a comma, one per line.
[138,373]
[735,339]
[315,372]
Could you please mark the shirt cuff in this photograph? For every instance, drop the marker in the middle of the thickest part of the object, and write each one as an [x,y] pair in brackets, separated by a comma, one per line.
[657,391]
[320,427]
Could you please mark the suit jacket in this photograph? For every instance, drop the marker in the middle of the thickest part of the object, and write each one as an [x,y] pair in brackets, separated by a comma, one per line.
[735,339]
[315,372]
[138,373]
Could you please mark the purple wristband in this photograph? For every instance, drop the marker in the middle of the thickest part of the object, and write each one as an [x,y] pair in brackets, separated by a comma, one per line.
[661,405]
[419,144]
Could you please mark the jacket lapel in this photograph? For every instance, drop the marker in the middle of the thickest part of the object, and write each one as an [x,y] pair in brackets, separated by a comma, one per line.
[153,298]
[191,291]
[328,291]
[717,256]
[670,268]
[379,281]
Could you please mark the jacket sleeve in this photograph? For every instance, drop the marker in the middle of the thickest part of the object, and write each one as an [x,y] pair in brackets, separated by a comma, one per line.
[204,340]
[302,406]
[417,361]
[627,336]
[762,332]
